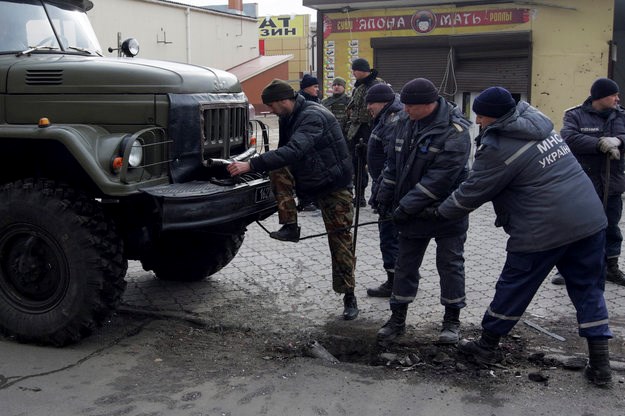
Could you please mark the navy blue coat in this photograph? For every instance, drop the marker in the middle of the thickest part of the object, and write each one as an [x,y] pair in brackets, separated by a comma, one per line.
[582,129]
[542,197]
[312,146]
[438,165]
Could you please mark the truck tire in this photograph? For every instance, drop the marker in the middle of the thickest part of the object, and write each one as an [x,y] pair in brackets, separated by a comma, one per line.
[192,256]
[61,263]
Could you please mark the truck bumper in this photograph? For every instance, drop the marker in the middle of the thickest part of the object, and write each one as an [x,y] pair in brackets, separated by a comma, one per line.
[222,206]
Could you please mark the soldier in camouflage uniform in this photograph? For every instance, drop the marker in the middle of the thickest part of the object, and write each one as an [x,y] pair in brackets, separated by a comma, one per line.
[359,120]
[311,144]
[337,103]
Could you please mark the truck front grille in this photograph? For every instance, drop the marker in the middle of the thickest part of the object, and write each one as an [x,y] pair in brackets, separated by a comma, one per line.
[225,130]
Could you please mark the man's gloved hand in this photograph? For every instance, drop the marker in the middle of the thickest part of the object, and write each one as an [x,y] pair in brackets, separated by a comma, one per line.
[614,154]
[384,211]
[430,213]
[400,216]
[607,143]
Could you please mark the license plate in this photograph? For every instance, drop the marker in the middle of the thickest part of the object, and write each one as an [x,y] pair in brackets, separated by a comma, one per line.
[262,194]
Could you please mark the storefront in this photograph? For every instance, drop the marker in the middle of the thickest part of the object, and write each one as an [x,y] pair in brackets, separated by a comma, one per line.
[546,53]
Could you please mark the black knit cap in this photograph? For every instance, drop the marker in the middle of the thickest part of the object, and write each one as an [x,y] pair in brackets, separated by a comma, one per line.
[277,90]
[380,93]
[307,81]
[419,91]
[493,102]
[361,64]
[603,87]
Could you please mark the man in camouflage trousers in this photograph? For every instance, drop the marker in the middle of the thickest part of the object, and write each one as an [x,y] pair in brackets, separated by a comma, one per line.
[311,144]
[359,122]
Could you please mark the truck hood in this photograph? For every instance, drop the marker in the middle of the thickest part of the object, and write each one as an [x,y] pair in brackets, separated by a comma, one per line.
[97,75]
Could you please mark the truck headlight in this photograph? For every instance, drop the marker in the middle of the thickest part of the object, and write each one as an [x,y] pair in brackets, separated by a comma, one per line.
[135,155]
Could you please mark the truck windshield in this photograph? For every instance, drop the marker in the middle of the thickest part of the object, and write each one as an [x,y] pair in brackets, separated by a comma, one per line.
[26,25]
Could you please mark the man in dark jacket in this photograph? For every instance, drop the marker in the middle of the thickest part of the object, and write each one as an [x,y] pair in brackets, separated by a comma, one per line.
[386,110]
[309,88]
[595,133]
[548,207]
[359,121]
[337,102]
[426,162]
[311,144]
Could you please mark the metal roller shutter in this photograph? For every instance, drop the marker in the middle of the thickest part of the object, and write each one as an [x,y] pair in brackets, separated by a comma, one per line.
[475,62]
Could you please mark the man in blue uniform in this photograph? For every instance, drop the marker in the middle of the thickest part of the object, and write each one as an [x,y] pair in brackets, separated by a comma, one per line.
[595,133]
[426,162]
[386,109]
[547,205]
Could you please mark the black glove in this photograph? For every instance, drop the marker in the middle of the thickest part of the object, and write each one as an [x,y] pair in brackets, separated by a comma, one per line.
[430,213]
[383,210]
[400,216]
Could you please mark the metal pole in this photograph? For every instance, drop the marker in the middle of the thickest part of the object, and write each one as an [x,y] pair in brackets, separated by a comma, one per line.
[358,194]
[606,181]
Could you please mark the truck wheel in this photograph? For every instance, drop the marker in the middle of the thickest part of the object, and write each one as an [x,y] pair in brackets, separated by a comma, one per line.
[61,263]
[191,257]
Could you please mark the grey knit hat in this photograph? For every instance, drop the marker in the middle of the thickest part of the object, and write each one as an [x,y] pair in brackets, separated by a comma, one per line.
[339,81]
[277,90]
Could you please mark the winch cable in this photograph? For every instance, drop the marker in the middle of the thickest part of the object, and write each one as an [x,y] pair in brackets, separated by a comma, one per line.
[338,230]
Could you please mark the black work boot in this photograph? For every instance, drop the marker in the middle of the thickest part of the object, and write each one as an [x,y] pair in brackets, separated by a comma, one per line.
[450,334]
[484,350]
[614,275]
[350,310]
[288,232]
[395,326]
[385,289]
[598,368]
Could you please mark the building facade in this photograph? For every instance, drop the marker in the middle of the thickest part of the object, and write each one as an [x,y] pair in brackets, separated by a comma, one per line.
[172,31]
[548,53]
[288,35]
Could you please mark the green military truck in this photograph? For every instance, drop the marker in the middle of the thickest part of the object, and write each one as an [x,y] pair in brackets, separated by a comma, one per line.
[106,160]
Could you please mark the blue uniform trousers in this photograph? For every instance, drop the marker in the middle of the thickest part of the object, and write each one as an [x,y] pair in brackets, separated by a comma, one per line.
[581,263]
[389,245]
[449,263]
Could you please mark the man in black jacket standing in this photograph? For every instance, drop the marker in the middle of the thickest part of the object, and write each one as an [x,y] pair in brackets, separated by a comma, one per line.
[359,121]
[426,162]
[312,146]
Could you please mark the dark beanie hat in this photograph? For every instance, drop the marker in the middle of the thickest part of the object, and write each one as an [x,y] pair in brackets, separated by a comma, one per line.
[339,81]
[361,64]
[307,81]
[603,87]
[493,102]
[277,90]
[380,93]
[419,91]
